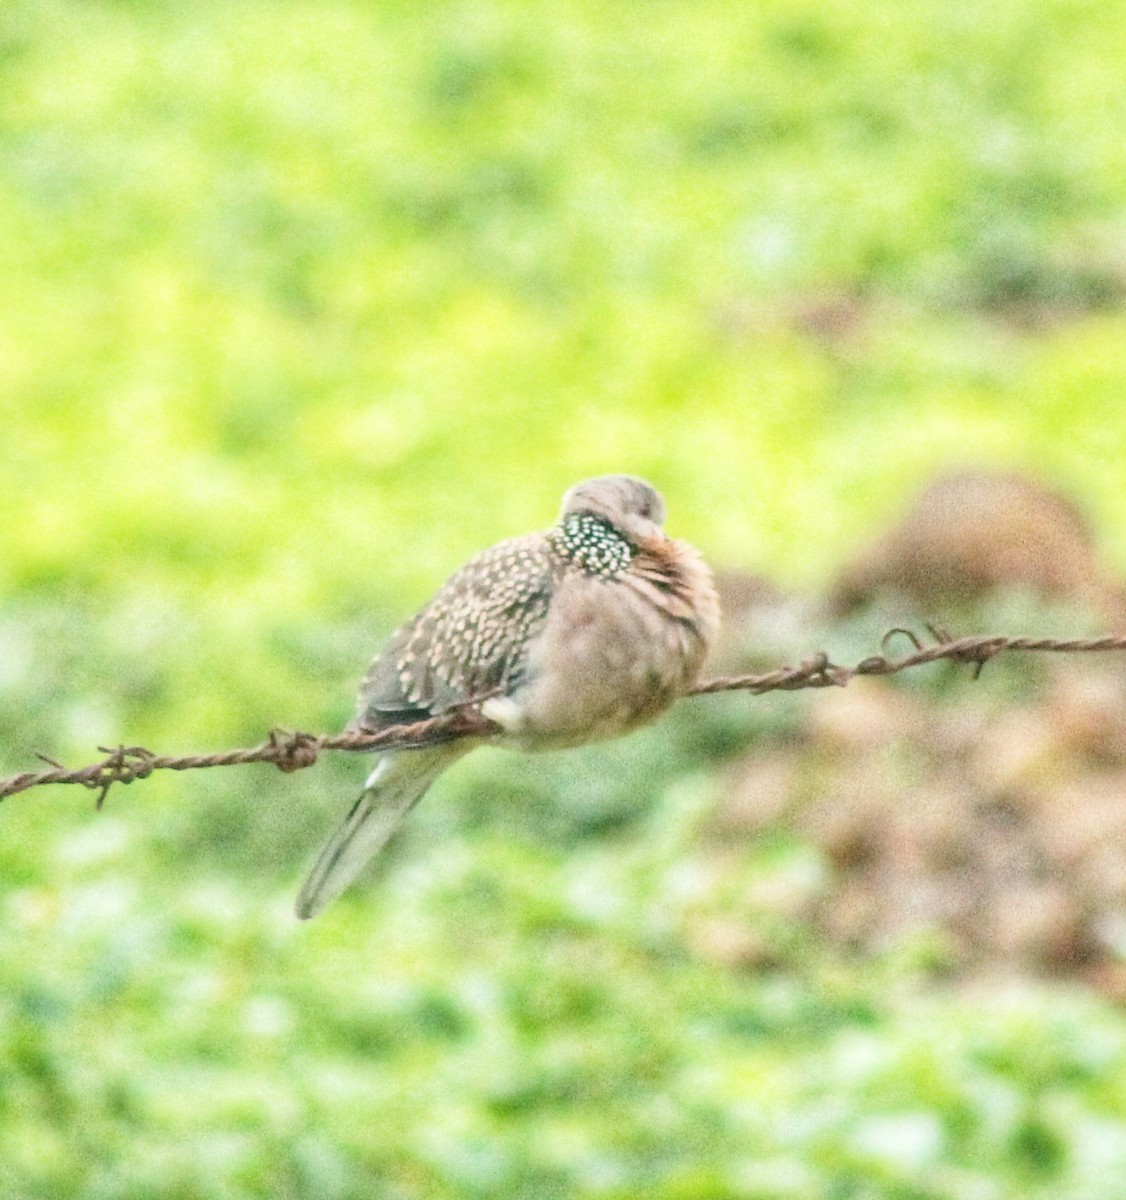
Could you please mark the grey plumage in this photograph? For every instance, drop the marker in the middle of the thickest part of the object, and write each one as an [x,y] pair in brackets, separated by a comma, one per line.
[396,785]
[578,633]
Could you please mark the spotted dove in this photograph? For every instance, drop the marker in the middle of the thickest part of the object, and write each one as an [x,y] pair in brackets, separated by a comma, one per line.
[576,634]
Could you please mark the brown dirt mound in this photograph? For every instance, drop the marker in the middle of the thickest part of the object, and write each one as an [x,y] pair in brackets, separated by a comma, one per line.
[995,830]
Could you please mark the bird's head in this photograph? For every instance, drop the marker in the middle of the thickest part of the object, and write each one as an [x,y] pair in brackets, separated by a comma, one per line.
[629,504]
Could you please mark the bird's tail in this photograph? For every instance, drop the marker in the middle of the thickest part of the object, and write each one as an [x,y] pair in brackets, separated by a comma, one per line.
[399,781]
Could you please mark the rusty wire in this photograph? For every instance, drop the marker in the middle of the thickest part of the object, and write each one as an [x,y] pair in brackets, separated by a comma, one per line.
[291,751]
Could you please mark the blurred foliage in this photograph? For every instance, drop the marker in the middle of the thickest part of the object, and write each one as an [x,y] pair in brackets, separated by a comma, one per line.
[303,303]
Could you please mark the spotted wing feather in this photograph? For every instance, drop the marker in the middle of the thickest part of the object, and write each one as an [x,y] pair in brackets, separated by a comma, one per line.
[470,640]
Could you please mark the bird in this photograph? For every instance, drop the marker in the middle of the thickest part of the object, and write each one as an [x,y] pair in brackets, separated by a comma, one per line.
[578,633]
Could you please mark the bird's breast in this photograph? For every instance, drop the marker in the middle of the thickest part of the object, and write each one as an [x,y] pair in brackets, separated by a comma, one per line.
[615,652]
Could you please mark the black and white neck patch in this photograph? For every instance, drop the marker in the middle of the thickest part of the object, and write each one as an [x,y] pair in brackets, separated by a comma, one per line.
[594,544]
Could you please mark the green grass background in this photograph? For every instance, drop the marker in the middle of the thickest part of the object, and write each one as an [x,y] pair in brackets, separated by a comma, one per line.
[302,303]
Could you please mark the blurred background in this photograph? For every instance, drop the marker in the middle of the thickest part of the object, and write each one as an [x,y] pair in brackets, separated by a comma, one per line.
[304,303]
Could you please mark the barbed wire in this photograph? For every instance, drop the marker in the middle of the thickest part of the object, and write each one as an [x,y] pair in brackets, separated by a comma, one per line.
[293,751]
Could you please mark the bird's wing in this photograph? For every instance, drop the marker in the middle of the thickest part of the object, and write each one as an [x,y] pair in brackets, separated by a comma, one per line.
[469,641]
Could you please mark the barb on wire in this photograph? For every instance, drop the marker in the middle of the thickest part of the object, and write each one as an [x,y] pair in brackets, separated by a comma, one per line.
[293,751]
